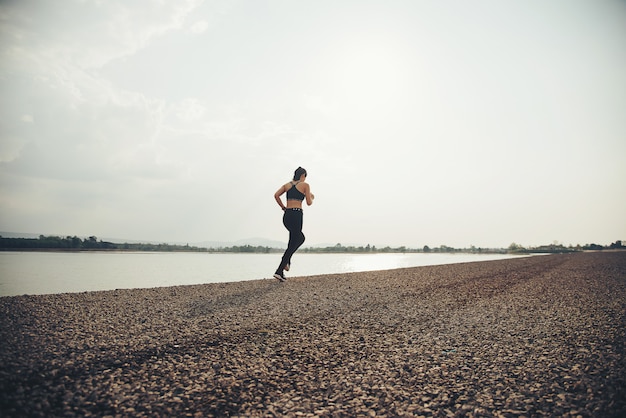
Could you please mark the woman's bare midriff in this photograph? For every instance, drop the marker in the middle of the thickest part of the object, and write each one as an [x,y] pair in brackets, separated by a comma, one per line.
[294,204]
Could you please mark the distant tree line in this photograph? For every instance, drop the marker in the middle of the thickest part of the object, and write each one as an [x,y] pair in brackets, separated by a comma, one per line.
[245,249]
[54,242]
[93,244]
[560,248]
[338,248]
[512,249]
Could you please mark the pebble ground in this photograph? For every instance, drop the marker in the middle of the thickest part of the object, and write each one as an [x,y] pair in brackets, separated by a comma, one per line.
[527,337]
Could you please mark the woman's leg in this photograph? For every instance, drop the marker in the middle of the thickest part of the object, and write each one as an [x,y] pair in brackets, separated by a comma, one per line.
[296,239]
[293,222]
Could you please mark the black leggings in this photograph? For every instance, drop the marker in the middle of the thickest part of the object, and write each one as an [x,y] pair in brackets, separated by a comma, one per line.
[292,219]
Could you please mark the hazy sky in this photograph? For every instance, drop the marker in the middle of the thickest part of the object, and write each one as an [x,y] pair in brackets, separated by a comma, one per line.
[420,122]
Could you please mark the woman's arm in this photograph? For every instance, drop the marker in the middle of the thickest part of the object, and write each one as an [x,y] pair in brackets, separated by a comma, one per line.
[309,196]
[277,196]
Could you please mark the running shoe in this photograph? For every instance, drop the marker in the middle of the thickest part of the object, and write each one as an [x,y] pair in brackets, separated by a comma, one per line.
[280,277]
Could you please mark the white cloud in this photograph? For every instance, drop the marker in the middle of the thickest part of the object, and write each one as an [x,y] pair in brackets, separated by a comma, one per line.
[87,123]
[199,27]
[189,110]
[10,149]
[318,103]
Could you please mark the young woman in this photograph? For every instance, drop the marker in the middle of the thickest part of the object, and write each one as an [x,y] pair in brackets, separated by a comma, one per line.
[297,191]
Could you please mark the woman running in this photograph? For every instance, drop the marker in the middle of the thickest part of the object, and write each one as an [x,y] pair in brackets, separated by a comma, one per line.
[297,190]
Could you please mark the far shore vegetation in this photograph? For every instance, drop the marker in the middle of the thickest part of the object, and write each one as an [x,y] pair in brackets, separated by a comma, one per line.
[55,243]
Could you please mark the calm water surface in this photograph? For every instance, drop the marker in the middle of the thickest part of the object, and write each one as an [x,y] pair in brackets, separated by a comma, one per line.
[58,272]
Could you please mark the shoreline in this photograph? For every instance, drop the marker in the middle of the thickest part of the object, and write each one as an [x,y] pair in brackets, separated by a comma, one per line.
[522,336]
[52,273]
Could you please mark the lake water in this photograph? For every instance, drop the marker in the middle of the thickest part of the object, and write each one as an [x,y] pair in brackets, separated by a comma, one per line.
[59,272]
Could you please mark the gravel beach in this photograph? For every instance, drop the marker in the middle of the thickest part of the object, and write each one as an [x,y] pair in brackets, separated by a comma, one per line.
[533,336]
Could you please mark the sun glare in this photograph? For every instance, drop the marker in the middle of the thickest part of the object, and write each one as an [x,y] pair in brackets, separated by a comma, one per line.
[366,75]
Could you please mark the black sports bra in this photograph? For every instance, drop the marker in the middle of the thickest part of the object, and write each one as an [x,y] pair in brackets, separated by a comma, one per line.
[294,193]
